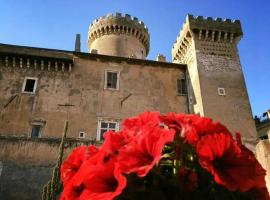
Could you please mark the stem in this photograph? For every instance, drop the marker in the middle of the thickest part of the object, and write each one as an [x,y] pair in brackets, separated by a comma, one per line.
[178,160]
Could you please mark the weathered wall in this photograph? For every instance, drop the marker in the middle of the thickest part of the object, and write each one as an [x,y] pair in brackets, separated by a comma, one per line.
[224,71]
[119,45]
[209,47]
[26,165]
[263,128]
[119,35]
[144,85]
[263,156]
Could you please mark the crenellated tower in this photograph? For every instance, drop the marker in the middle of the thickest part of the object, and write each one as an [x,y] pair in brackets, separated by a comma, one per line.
[119,35]
[209,48]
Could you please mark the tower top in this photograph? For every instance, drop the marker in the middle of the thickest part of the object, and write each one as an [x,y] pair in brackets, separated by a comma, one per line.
[119,25]
[217,24]
[206,29]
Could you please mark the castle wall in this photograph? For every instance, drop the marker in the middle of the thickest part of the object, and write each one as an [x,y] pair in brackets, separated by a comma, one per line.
[263,156]
[26,165]
[79,96]
[263,128]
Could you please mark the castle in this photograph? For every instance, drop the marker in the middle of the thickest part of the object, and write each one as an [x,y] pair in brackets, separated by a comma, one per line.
[41,88]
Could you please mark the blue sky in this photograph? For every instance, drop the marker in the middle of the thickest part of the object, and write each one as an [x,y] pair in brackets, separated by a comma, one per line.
[54,23]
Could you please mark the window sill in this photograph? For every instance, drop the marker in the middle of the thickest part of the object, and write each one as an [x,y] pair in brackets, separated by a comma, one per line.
[28,93]
[111,89]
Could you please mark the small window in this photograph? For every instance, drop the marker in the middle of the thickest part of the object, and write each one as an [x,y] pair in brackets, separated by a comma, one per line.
[82,134]
[181,86]
[104,126]
[264,137]
[112,80]
[36,131]
[29,85]
[221,92]
[36,128]
[190,100]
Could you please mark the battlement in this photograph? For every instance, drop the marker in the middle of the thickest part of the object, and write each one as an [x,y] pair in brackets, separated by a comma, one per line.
[215,36]
[119,24]
[217,24]
[118,16]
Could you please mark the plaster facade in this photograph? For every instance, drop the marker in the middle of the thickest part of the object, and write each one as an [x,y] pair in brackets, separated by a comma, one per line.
[79,95]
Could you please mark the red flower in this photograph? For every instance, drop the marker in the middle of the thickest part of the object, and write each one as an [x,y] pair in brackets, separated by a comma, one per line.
[142,153]
[192,127]
[188,179]
[95,181]
[74,187]
[113,141]
[74,161]
[103,182]
[133,126]
[146,118]
[230,165]
[72,191]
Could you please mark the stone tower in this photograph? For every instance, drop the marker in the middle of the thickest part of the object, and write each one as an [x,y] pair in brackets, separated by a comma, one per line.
[218,90]
[118,35]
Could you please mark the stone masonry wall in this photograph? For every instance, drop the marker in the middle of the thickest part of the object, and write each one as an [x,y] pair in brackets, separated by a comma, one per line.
[263,156]
[26,165]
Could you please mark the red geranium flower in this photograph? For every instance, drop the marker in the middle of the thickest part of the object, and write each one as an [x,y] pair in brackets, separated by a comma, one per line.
[192,127]
[72,164]
[73,192]
[95,181]
[113,141]
[133,126]
[103,182]
[142,153]
[231,167]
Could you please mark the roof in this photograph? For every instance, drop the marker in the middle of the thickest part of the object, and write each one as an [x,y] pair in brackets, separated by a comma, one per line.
[25,51]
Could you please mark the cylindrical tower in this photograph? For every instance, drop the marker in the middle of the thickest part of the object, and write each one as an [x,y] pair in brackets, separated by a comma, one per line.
[119,35]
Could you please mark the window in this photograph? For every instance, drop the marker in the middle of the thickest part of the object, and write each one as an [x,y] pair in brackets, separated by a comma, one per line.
[264,137]
[181,86]
[29,85]
[112,80]
[104,126]
[221,92]
[37,126]
[82,134]
[35,131]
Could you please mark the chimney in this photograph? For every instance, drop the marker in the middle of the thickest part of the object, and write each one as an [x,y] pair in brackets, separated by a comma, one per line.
[78,43]
[161,58]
